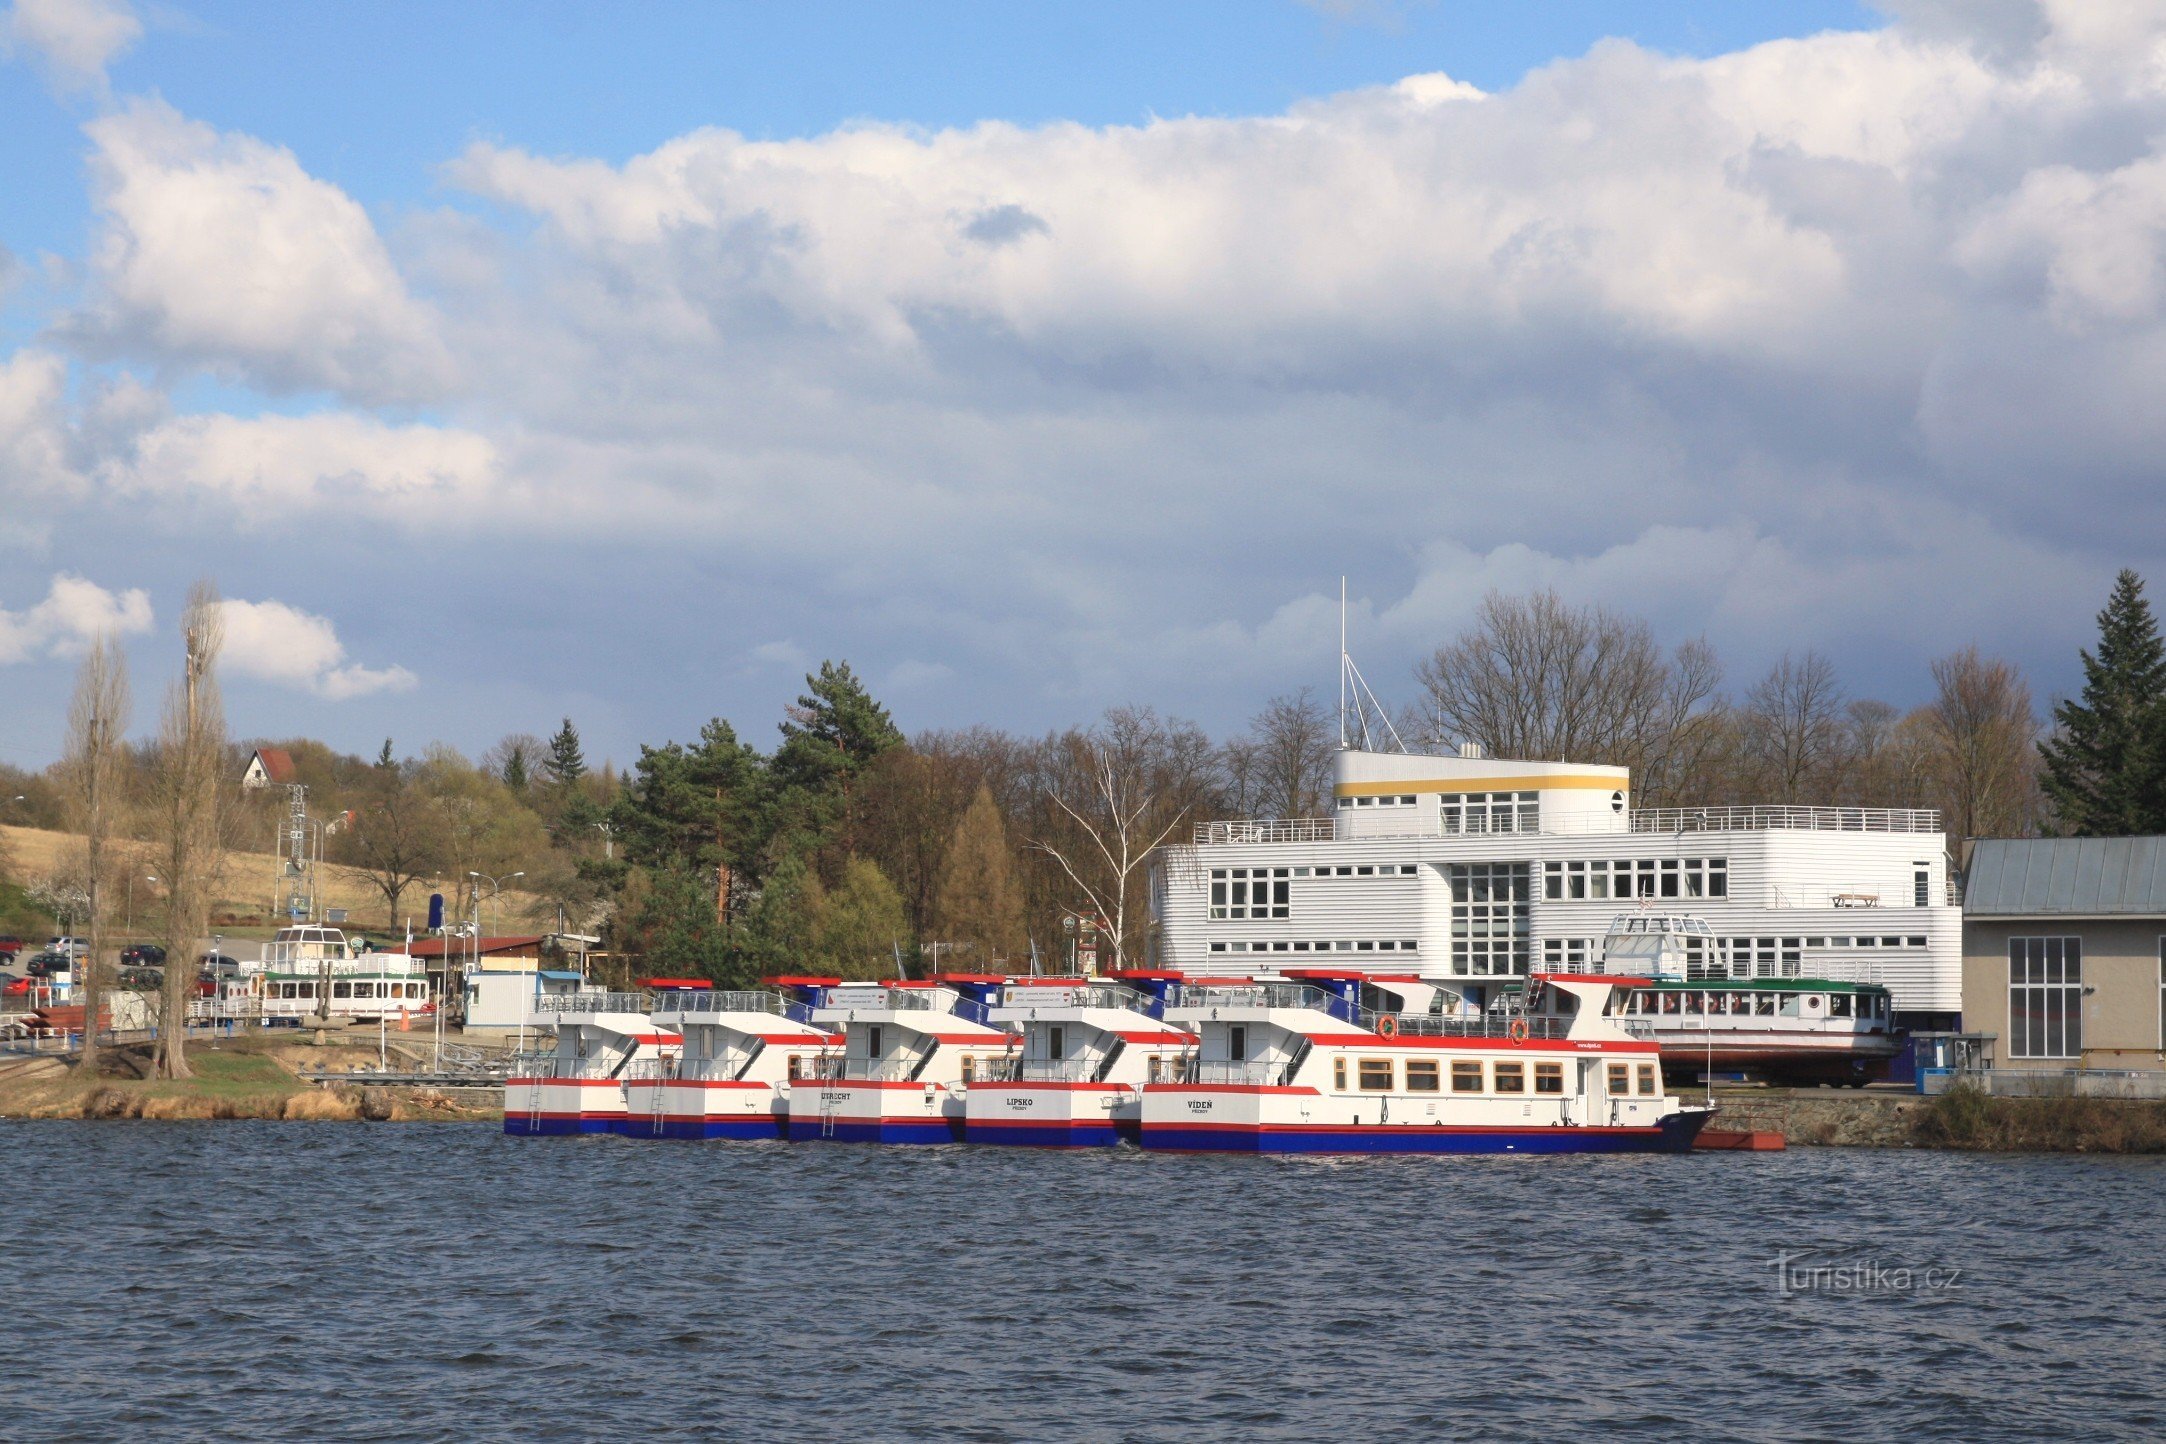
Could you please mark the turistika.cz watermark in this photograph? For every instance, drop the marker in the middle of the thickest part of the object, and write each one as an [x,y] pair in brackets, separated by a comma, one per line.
[1814,1272]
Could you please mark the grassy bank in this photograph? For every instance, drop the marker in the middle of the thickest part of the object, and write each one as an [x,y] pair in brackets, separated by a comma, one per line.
[237,1078]
[1968,1118]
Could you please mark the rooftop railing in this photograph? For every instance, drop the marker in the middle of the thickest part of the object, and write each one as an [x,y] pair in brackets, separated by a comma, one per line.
[719,1000]
[1646,819]
[594,1002]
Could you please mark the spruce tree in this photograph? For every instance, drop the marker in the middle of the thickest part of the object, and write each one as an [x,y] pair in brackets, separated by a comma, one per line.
[565,764]
[2105,765]
[515,769]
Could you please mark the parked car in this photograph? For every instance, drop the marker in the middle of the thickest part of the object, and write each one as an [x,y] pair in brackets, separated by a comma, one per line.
[217,965]
[50,964]
[10,945]
[16,987]
[70,947]
[142,955]
[142,977]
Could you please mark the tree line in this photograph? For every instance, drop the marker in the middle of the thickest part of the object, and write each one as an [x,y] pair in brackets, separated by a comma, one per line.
[846,847]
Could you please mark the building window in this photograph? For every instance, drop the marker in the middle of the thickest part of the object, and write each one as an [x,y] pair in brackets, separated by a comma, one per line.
[1566,955]
[1489,917]
[1421,1075]
[2045,997]
[1921,885]
[1610,879]
[1511,1077]
[1492,812]
[1249,892]
[1549,1077]
[1375,1075]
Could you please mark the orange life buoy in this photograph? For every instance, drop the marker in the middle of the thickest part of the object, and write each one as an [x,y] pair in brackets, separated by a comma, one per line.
[1517,1032]
[1387,1025]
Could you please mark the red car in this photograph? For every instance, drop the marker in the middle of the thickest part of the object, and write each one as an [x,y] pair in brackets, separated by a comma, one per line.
[16,987]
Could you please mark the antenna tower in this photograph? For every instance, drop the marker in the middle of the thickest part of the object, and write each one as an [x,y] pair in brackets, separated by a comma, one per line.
[1358,702]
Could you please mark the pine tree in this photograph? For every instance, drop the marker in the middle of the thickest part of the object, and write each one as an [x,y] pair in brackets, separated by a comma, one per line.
[565,764]
[2105,765]
[979,902]
[515,769]
[385,760]
[829,737]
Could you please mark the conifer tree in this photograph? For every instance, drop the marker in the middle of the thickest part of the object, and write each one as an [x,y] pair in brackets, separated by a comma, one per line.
[565,763]
[515,769]
[979,902]
[2105,765]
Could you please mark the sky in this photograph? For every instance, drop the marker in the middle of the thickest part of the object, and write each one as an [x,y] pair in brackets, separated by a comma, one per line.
[504,362]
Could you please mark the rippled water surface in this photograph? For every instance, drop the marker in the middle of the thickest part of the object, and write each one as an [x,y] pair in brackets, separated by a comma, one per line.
[445,1282]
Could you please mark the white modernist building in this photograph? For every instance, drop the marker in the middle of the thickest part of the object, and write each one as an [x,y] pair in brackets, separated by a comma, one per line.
[1476,870]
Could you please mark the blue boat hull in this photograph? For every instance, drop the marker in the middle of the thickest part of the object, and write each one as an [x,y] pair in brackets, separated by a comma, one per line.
[1052,1135]
[1673,1135]
[816,1129]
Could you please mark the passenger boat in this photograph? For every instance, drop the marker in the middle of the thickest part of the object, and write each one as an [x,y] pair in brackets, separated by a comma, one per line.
[1308,1062]
[742,1053]
[911,1052]
[580,1087]
[300,964]
[1089,1046]
[1783,1030]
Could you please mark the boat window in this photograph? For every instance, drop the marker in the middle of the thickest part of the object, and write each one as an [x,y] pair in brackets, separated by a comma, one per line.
[1549,1077]
[1151,1070]
[1691,1005]
[1466,1077]
[1338,1074]
[1237,1042]
[1056,1043]
[1763,1005]
[342,990]
[1421,1075]
[1648,1084]
[1620,1079]
[872,1041]
[796,1068]
[970,1068]
[1669,1002]
[1511,1077]
[1839,1006]
[1376,1075]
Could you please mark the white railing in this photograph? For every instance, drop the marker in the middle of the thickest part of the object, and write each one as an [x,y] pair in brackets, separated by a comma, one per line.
[701,1000]
[1287,829]
[594,1003]
[1646,819]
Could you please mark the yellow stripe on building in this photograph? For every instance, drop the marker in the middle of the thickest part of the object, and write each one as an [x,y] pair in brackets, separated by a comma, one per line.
[1543,783]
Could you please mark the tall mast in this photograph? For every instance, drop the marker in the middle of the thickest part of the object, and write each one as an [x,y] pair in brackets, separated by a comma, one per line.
[1342,664]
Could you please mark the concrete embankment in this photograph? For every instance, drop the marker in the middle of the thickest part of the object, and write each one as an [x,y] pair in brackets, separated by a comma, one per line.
[1964,1119]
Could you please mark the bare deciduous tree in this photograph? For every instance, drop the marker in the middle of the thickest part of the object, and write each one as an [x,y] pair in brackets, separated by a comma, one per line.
[1793,724]
[1282,768]
[93,763]
[1536,677]
[1115,794]
[398,835]
[191,793]
[1983,735]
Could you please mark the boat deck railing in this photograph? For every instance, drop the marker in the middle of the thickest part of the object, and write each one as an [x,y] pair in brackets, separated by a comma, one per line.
[1420,1025]
[735,1000]
[594,1002]
[1249,1074]
[552,1065]
[1645,819]
[1088,995]
[932,1000]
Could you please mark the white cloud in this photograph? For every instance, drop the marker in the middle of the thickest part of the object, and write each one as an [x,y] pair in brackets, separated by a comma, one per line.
[75,39]
[284,645]
[218,250]
[272,468]
[33,425]
[74,613]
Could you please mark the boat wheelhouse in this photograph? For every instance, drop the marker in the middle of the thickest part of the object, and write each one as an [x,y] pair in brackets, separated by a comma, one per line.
[742,1052]
[1089,1046]
[579,1087]
[1802,1030]
[1332,1061]
[910,1054]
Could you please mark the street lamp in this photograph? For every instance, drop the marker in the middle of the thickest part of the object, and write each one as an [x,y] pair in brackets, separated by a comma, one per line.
[496,886]
[131,898]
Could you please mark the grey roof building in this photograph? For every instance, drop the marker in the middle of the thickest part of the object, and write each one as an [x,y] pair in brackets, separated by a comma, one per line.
[2064,951]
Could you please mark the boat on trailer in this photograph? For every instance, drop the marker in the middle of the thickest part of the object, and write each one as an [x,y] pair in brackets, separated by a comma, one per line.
[1089,1046]
[911,1053]
[743,1052]
[580,1086]
[1328,1061]
[1795,1030]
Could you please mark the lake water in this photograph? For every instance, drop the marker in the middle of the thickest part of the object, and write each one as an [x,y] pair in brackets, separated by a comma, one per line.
[198,1281]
